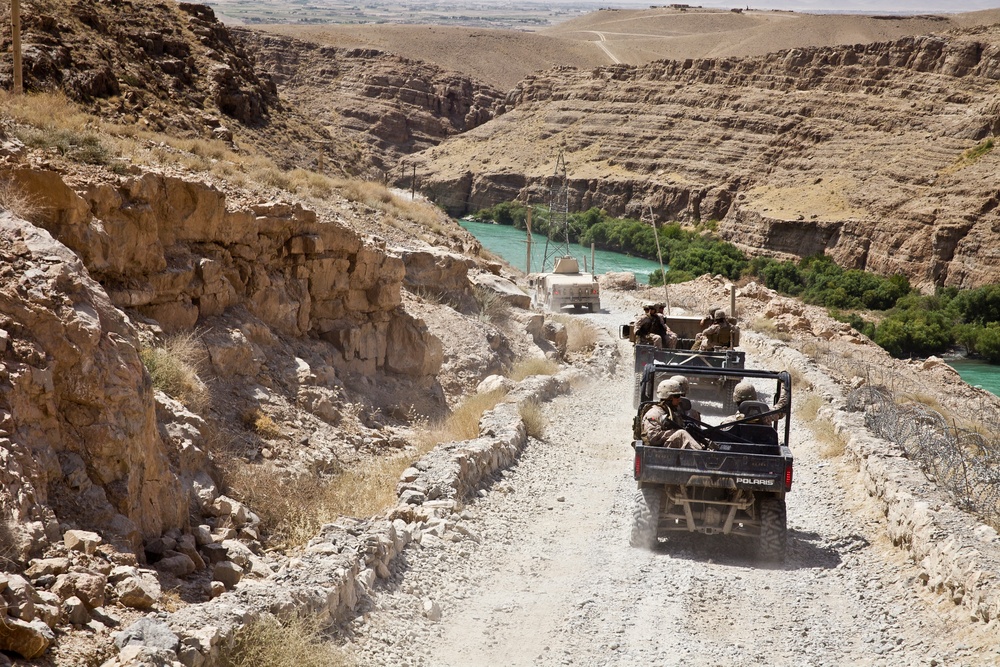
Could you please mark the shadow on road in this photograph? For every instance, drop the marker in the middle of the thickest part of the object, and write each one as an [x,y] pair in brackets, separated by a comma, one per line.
[805,550]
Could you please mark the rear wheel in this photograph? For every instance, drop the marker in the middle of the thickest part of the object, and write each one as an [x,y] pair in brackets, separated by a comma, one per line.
[773,530]
[646,516]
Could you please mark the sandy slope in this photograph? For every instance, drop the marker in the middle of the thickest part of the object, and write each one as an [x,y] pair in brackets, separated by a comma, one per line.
[502,58]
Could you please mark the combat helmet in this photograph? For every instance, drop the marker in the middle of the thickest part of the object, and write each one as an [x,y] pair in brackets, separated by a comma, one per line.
[668,389]
[744,391]
[683,382]
[720,315]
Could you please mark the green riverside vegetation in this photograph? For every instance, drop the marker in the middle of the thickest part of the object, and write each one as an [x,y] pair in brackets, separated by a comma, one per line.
[886,309]
[687,252]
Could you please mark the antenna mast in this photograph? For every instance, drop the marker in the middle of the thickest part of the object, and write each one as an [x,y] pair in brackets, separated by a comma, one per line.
[557,241]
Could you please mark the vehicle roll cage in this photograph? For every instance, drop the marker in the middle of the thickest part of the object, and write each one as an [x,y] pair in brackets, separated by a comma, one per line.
[782,378]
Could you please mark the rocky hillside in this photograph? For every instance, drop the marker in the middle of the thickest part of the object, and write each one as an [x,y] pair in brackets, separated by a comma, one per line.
[868,153]
[391,105]
[164,67]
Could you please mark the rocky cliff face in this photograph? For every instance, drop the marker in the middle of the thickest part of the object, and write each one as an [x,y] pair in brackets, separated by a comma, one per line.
[857,151]
[393,105]
[172,66]
[84,441]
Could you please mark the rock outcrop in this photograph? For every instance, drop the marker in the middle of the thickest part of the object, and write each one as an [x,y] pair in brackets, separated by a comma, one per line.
[393,105]
[84,439]
[875,154]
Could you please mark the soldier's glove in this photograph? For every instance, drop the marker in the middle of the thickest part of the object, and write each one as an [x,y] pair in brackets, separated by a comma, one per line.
[665,423]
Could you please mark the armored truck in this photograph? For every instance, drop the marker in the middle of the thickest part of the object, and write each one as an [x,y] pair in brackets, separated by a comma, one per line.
[735,486]
[565,286]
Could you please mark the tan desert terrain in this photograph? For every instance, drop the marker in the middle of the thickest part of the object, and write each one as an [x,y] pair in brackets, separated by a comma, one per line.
[257,413]
[502,58]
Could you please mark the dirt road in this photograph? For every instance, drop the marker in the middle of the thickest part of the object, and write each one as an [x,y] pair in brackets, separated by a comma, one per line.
[548,577]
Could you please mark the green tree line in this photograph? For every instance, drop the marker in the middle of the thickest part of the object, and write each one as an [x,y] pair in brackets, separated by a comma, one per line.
[688,253]
[886,309]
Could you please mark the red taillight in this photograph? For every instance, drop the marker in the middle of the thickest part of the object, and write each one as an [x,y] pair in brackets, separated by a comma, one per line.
[788,477]
[555,292]
[638,465]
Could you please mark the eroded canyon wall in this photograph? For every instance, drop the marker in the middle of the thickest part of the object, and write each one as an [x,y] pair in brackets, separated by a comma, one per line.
[859,151]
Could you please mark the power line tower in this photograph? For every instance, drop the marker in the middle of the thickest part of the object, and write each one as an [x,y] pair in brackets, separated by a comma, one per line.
[557,240]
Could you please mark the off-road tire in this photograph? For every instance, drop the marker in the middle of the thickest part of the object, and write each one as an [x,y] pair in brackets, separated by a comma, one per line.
[646,517]
[773,530]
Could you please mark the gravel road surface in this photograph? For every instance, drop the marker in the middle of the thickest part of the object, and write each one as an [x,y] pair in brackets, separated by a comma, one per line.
[546,575]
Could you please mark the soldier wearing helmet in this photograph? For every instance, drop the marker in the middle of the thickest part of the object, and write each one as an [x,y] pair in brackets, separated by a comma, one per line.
[645,327]
[721,334]
[663,424]
[748,405]
[686,407]
[660,326]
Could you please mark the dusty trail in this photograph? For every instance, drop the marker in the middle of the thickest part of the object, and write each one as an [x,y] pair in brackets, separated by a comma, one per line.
[554,582]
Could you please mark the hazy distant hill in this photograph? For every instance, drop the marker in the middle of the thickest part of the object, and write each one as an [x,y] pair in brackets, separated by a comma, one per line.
[502,58]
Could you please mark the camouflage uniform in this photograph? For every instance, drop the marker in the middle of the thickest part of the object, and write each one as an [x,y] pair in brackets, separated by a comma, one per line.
[723,334]
[645,329]
[781,405]
[660,327]
[669,432]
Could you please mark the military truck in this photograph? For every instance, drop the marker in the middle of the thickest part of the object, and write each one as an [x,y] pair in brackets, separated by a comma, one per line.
[565,286]
[736,486]
[705,386]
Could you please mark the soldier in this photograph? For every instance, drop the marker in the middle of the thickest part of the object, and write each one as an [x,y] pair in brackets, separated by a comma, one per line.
[686,407]
[644,328]
[745,392]
[663,424]
[661,328]
[722,334]
[709,319]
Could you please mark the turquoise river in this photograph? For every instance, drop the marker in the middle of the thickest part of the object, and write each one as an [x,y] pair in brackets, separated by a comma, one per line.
[511,244]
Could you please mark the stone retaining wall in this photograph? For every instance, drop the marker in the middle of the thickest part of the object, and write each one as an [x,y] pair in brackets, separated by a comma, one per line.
[347,557]
[957,555]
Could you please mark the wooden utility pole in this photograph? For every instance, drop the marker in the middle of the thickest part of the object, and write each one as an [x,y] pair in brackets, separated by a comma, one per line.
[15,22]
[413,183]
[527,263]
[659,254]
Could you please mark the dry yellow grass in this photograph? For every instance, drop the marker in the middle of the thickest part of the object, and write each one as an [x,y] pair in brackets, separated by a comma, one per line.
[581,335]
[50,120]
[534,419]
[528,367]
[463,422]
[173,369]
[799,380]
[294,508]
[831,444]
[14,199]
[492,306]
[268,642]
[261,423]
[808,406]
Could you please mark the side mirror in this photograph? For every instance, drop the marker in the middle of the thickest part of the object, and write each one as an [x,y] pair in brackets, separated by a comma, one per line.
[625,331]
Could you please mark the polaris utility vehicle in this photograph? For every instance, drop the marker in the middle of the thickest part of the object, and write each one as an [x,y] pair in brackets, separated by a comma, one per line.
[735,486]
[703,385]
